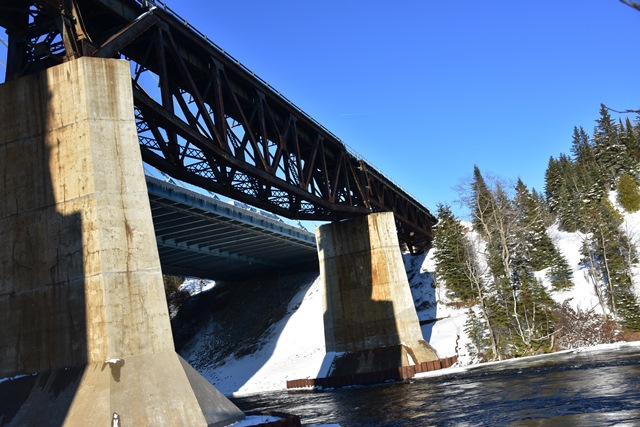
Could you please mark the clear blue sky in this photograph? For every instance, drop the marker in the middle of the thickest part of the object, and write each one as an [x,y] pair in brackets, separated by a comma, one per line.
[426,89]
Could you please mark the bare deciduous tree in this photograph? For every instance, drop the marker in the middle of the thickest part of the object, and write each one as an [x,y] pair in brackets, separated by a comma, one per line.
[632,4]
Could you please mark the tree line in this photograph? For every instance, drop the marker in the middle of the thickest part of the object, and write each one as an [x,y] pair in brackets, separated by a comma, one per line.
[497,264]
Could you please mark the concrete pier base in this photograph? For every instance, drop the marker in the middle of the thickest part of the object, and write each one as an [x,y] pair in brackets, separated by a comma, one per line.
[158,389]
[84,318]
[370,318]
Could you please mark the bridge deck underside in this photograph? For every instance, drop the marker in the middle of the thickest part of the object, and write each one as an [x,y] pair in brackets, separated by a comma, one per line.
[199,236]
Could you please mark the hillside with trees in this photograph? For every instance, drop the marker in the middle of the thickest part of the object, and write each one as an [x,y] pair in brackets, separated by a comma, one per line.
[504,266]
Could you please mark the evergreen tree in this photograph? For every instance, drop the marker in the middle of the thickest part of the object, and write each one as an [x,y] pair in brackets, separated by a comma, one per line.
[629,308]
[490,209]
[543,207]
[560,274]
[610,153]
[535,316]
[516,314]
[498,313]
[610,256]
[553,183]
[631,140]
[587,176]
[451,255]
[564,189]
[628,193]
[581,147]
[457,265]
[515,302]
[481,203]
[538,247]
[480,346]
[540,252]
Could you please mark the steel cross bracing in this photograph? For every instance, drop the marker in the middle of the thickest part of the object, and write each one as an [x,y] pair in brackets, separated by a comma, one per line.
[205,119]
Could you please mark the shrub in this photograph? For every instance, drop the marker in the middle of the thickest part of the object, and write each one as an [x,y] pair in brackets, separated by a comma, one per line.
[578,328]
[628,193]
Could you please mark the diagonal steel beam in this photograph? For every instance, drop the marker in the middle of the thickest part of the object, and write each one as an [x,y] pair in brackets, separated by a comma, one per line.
[126,36]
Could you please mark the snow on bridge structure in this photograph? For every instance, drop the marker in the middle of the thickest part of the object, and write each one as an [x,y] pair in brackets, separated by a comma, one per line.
[93,89]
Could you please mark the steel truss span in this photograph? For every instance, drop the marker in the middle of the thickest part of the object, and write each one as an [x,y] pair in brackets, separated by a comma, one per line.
[207,120]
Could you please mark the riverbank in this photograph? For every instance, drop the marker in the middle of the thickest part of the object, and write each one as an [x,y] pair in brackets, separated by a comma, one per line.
[509,363]
[292,346]
[255,347]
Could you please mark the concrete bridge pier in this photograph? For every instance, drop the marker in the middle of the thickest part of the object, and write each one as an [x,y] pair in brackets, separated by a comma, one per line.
[84,324]
[370,317]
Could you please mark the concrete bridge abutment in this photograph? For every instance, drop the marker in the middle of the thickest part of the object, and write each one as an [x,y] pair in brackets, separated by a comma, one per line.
[85,328]
[370,318]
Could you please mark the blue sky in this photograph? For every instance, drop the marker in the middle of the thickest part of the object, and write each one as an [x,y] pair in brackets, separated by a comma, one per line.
[426,89]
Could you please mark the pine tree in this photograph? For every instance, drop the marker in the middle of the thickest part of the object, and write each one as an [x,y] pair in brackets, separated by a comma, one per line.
[581,147]
[631,140]
[543,207]
[481,203]
[540,252]
[451,255]
[588,181]
[514,300]
[535,316]
[489,207]
[480,346]
[560,274]
[610,153]
[457,265]
[610,256]
[538,247]
[553,183]
[564,188]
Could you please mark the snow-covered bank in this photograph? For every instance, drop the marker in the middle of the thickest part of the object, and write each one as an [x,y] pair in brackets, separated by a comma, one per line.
[529,359]
[292,347]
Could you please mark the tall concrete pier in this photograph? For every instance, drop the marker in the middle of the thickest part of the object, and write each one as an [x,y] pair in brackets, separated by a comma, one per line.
[82,305]
[370,315]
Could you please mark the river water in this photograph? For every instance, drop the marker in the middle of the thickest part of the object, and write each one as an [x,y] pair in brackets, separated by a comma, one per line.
[580,388]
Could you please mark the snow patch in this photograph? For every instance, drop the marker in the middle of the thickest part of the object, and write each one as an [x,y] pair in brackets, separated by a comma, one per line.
[195,286]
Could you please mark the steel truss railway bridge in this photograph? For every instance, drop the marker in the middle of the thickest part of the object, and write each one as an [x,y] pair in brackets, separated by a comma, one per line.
[207,120]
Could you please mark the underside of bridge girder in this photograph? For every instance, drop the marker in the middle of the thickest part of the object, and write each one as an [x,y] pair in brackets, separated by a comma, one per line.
[208,238]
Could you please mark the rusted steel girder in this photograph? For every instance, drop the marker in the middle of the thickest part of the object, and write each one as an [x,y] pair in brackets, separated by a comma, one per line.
[205,119]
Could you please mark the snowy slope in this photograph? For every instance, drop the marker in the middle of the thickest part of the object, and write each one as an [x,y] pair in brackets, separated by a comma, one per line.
[294,346]
[295,350]
[582,295]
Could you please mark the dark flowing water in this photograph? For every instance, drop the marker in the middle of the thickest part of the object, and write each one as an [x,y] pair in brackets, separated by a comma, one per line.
[594,388]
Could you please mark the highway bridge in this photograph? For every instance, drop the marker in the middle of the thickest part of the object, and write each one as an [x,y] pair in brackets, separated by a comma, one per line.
[202,236]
